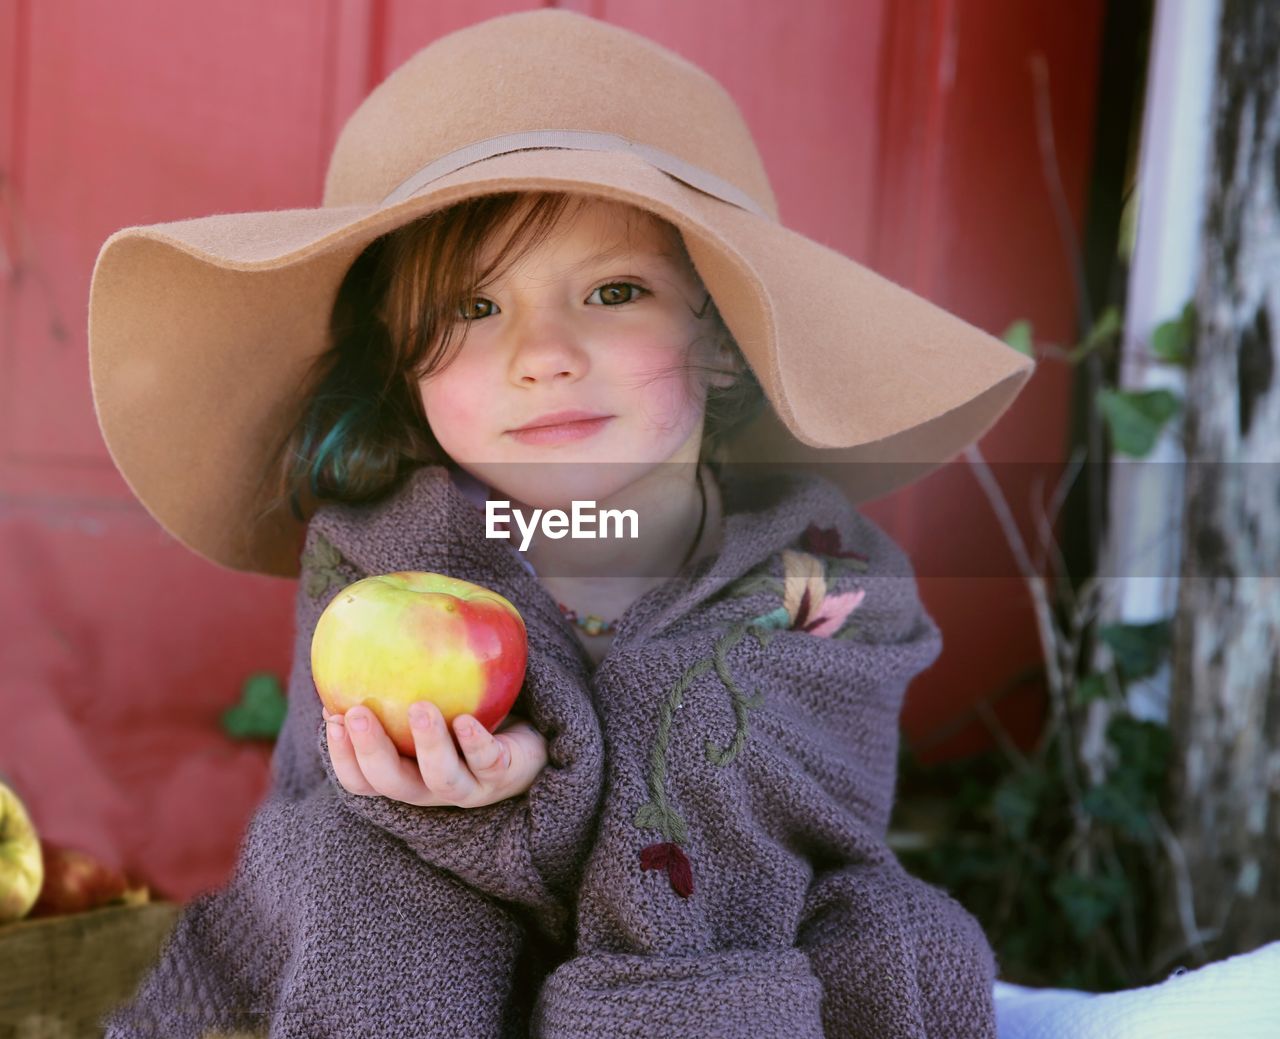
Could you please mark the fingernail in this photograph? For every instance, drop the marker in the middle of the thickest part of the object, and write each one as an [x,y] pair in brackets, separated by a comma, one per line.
[419,717]
[358,722]
[466,727]
[336,731]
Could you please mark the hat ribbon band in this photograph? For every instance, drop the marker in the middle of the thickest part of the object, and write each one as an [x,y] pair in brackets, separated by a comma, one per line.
[586,140]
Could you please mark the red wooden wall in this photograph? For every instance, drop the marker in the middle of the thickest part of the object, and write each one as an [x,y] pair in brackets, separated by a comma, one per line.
[901,133]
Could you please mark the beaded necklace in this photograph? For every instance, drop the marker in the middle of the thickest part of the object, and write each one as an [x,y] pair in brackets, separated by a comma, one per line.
[592,624]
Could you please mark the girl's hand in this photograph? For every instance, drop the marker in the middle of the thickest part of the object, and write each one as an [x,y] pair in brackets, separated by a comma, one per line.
[498,765]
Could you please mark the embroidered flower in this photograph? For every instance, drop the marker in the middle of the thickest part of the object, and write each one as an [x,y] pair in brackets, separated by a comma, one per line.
[667,855]
[806,606]
[806,598]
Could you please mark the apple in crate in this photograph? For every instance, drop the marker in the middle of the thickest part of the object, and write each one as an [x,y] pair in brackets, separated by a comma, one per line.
[21,867]
[390,640]
[75,881]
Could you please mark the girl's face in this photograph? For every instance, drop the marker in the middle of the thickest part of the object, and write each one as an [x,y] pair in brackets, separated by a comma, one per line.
[598,317]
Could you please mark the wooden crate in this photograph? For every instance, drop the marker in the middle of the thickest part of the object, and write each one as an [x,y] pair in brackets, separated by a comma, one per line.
[59,975]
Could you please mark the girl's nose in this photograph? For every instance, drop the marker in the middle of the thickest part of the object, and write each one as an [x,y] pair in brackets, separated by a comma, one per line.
[547,353]
[549,365]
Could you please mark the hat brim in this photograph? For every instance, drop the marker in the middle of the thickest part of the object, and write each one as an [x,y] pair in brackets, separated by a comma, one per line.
[180,312]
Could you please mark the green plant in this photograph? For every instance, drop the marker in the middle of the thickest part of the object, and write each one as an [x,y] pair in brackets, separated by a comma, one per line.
[260,713]
[1053,850]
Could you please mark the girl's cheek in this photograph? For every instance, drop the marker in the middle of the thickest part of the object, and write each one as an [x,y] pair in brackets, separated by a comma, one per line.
[662,387]
[455,412]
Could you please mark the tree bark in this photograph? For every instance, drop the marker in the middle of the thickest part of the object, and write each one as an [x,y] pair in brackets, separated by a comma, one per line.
[1225,696]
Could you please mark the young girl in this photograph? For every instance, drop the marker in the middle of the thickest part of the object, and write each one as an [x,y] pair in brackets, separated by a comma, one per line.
[680,827]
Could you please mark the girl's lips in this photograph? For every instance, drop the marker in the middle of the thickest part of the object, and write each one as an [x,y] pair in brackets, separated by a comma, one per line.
[560,434]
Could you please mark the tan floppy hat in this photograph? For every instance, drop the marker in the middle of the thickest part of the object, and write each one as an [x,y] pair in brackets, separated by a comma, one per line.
[201,330]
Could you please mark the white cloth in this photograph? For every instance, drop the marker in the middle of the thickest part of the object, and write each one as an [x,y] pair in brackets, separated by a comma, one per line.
[1235,998]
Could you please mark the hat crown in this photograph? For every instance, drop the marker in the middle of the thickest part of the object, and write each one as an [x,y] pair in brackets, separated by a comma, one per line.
[502,76]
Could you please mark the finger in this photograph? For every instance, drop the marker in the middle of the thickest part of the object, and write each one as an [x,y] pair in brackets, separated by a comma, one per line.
[343,756]
[487,756]
[438,763]
[526,745]
[388,771]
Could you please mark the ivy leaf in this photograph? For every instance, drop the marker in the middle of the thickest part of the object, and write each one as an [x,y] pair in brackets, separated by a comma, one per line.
[1138,648]
[1018,336]
[260,712]
[1119,804]
[1142,750]
[1092,687]
[1103,330]
[1016,801]
[1172,341]
[1135,418]
[1135,781]
[957,864]
[1089,901]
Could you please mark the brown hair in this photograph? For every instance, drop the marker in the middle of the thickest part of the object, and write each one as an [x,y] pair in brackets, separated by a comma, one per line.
[362,430]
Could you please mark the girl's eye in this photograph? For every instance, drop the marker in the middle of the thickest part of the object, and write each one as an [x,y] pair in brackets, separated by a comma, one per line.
[616,293]
[467,311]
[609,293]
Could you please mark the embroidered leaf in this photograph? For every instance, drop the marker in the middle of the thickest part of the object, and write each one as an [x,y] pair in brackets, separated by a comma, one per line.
[778,618]
[837,566]
[803,573]
[324,568]
[753,583]
[649,815]
[667,855]
[802,611]
[851,632]
[825,541]
[680,872]
[835,609]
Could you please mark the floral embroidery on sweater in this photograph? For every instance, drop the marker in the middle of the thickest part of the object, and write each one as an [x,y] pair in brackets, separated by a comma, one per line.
[325,568]
[808,606]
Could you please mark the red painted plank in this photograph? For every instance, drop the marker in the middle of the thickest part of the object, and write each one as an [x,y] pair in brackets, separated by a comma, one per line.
[410,25]
[212,107]
[12,79]
[121,648]
[967,217]
[805,77]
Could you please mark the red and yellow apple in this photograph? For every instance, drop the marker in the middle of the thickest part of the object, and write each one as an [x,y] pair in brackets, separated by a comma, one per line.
[21,867]
[390,640]
[75,882]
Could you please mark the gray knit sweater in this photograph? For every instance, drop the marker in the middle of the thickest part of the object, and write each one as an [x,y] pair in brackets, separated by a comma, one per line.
[704,854]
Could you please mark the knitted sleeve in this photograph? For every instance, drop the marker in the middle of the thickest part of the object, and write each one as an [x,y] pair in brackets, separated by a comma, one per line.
[749,750]
[525,850]
[864,922]
[332,929]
